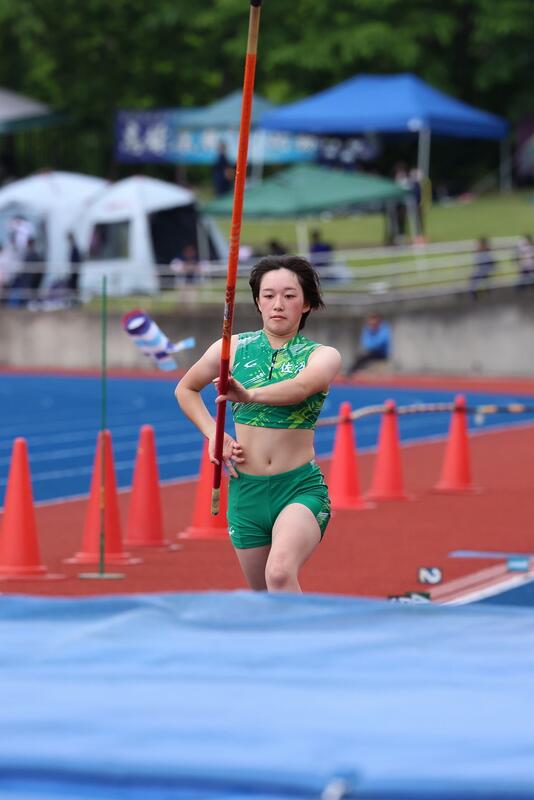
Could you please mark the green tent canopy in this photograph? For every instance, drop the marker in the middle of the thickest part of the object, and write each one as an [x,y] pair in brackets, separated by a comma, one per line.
[309,189]
[224,113]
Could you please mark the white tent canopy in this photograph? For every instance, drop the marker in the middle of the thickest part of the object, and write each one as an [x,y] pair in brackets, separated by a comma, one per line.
[17,108]
[55,200]
[119,233]
[130,196]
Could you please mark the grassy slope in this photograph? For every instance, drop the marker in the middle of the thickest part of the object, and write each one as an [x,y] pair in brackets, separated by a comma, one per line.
[494,215]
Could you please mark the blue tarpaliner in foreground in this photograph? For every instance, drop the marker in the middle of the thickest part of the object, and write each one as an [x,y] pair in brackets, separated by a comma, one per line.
[241,695]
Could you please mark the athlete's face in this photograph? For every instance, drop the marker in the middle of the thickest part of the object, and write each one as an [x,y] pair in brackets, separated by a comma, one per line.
[281,301]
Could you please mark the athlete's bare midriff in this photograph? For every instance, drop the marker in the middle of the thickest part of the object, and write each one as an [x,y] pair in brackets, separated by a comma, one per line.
[269,451]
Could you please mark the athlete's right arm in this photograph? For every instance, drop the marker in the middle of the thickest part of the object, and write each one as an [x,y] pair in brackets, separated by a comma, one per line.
[195,379]
[190,401]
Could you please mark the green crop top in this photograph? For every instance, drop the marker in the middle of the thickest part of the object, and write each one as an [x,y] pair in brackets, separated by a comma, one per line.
[257,364]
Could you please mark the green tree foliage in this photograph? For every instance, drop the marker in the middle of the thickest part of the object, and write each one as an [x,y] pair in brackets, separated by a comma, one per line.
[91,58]
[503,50]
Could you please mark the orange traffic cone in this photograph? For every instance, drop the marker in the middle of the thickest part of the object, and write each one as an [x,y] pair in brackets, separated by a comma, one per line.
[456,470]
[144,525]
[19,548]
[103,520]
[205,525]
[343,480]
[387,482]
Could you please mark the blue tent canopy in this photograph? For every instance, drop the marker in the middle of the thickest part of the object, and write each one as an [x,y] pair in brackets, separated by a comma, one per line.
[385,103]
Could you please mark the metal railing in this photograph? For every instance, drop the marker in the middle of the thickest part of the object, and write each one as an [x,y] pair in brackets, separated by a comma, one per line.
[387,275]
[353,278]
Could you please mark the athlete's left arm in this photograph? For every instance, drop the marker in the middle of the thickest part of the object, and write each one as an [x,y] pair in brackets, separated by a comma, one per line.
[322,367]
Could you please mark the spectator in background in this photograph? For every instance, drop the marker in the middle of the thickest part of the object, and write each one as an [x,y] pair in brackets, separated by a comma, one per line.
[188,272]
[375,342]
[26,283]
[35,266]
[188,266]
[321,255]
[484,267]
[75,260]
[402,179]
[275,248]
[223,172]
[20,232]
[525,262]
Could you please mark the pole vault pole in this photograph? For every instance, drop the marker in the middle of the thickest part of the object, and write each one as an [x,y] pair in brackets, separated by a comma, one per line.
[235,233]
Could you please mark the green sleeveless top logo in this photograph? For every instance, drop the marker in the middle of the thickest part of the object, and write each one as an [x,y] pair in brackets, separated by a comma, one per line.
[257,364]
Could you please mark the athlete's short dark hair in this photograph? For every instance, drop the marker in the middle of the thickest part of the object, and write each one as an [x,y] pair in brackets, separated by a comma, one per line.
[307,277]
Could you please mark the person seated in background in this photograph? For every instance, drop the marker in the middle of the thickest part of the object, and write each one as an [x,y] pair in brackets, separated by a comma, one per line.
[275,248]
[375,342]
[188,267]
[321,257]
[484,266]
[525,261]
[320,252]
[188,271]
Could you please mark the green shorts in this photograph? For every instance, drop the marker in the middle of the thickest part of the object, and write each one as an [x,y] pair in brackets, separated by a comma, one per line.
[255,501]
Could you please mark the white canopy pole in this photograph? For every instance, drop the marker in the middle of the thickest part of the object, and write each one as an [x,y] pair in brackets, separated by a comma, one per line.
[423,151]
[258,140]
[303,240]
[505,166]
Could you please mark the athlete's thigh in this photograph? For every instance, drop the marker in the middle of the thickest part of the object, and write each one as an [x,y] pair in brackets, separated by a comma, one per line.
[296,534]
[252,561]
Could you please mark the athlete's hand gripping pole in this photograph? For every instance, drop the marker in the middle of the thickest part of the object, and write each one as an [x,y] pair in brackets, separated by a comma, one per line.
[235,233]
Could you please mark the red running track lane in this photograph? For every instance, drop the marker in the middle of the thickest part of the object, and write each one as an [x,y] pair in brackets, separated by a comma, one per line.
[370,553]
